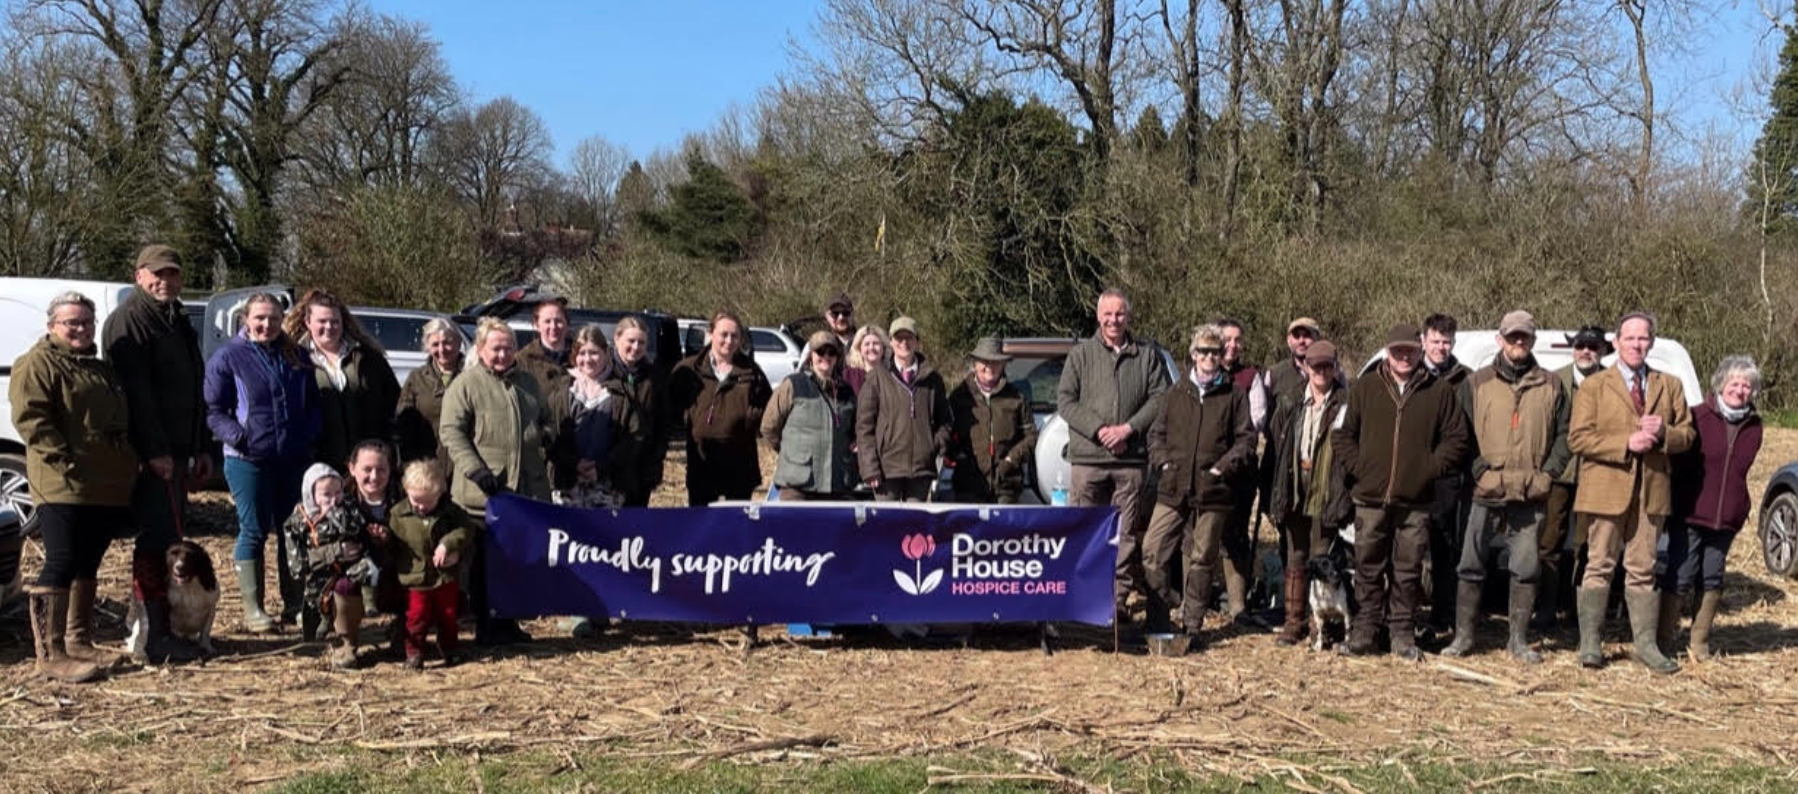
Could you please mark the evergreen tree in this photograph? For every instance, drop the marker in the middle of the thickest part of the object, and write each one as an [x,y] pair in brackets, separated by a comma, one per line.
[707,217]
[1773,173]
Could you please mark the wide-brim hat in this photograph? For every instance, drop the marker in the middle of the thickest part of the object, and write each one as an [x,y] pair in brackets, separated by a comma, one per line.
[989,349]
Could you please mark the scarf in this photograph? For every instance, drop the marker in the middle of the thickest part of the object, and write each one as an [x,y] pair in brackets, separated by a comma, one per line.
[588,393]
[1733,416]
[1509,372]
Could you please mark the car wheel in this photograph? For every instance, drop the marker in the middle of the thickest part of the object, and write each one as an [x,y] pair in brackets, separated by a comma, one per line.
[15,492]
[1779,535]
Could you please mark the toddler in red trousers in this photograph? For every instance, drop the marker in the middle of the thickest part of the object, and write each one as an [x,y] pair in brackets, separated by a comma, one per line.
[429,535]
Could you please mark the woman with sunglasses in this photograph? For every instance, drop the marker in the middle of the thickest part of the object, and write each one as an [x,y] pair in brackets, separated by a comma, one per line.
[1203,443]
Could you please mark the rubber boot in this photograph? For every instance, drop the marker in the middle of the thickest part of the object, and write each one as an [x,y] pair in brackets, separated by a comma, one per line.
[1590,603]
[162,645]
[1523,602]
[1644,615]
[1548,590]
[1666,628]
[1293,630]
[347,621]
[49,612]
[79,642]
[1467,613]
[249,585]
[1699,647]
[293,593]
[1236,593]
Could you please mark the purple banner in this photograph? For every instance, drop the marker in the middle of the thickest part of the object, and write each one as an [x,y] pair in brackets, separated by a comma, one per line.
[769,563]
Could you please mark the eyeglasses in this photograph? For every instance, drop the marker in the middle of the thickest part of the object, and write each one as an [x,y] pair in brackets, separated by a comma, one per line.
[75,323]
[1207,351]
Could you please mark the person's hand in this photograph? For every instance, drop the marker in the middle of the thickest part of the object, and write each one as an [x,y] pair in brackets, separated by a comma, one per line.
[586,471]
[1641,441]
[1006,468]
[873,482]
[201,471]
[443,557]
[377,531]
[163,466]
[1652,424]
[484,480]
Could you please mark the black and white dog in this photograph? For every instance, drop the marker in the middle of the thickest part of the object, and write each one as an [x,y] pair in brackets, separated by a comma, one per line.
[1329,595]
[193,600]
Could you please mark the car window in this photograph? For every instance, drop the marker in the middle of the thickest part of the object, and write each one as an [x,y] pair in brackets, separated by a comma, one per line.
[695,338]
[395,333]
[1037,379]
[767,342]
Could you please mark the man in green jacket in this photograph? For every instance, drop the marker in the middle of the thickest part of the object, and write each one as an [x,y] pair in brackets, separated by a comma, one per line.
[1520,436]
[1403,429]
[156,353]
[1110,392]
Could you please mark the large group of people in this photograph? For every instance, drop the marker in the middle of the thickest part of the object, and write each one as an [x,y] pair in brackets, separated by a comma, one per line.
[373,489]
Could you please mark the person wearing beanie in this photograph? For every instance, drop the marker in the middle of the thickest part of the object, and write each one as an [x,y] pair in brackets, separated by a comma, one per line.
[1520,439]
[1402,431]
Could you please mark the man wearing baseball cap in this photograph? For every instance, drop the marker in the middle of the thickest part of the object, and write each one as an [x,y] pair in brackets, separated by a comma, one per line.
[157,354]
[1520,437]
[1402,430]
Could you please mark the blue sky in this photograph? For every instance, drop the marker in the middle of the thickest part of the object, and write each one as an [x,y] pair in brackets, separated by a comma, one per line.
[644,74]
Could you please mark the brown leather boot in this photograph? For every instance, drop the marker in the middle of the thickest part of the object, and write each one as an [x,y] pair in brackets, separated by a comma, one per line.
[1700,645]
[49,611]
[78,643]
[1292,632]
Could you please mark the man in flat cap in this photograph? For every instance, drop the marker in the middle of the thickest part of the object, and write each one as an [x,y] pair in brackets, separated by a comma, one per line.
[157,354]
[1403,429]
[1559,574]
[1520,439]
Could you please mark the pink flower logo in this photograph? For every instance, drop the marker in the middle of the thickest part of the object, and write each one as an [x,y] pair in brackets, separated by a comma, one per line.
[917,548]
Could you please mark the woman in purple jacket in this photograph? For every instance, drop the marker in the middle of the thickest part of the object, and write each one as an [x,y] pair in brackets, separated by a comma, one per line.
[262,403]
[1710,500]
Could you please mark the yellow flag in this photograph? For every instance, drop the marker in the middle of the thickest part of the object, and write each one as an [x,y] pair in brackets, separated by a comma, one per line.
[880,235]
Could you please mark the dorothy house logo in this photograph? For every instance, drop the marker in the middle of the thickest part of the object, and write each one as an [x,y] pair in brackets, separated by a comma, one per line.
[917,548]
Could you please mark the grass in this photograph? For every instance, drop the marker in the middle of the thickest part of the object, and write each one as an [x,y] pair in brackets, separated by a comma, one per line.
[1787,418]
[529,773]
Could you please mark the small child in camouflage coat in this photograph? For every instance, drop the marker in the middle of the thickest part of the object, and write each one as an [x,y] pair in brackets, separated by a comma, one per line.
[327,547]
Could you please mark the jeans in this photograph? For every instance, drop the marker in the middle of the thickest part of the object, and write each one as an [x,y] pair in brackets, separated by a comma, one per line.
[1696,557]
[75,540]
[264,494]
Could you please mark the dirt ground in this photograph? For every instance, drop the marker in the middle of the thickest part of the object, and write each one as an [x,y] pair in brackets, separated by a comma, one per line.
[669,693]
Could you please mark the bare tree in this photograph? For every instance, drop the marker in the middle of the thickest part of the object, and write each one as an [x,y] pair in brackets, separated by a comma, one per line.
[396,91]
[491,155]
[594,169]
[1077,42]
[1296,57]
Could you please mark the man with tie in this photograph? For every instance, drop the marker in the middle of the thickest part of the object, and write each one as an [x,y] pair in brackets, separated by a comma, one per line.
[1628,421]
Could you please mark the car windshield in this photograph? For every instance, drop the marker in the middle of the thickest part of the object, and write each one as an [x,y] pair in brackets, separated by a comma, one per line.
[395,333]
[1036,378]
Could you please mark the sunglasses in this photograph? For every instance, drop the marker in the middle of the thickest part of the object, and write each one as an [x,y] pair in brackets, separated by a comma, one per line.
[1520,339]
[841,313]
[1207,351]
[1588,346]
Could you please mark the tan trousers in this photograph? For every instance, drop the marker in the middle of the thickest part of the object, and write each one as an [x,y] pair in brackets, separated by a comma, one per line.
[1121,486]
[1632,536]
[1168,526]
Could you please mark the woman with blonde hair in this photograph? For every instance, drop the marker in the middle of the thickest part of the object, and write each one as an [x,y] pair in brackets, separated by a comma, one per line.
[865,354]
[495,425]
[647,387]
[357,387]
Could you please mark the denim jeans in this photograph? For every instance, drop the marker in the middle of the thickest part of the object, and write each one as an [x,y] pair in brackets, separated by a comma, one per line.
[264,494]
[1696,558]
